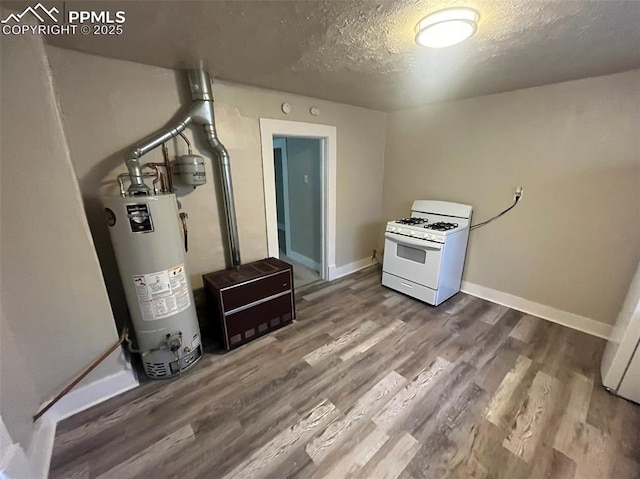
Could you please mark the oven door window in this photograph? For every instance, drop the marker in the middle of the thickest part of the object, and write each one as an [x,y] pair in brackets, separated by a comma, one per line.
[412,254]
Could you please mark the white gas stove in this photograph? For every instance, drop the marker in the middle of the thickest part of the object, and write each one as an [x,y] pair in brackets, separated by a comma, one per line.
[424,254]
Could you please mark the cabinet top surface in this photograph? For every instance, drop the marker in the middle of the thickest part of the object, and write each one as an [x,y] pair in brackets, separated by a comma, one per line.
[244,273]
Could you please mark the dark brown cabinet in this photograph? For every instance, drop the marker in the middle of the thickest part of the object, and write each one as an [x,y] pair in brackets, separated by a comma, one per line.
[249,301]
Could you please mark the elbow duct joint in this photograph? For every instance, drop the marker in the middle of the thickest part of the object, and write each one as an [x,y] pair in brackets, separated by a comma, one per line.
[202,113]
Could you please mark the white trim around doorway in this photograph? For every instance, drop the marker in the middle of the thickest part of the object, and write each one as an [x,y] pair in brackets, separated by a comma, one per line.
[328,134]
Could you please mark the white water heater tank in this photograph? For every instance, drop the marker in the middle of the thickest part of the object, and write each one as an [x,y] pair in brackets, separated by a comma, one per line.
[146,236]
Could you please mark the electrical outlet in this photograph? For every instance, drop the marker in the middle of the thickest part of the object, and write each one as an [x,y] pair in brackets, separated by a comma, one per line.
[519,191]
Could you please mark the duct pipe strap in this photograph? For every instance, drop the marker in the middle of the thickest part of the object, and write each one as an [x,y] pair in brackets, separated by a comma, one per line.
[200,84]
[137,186]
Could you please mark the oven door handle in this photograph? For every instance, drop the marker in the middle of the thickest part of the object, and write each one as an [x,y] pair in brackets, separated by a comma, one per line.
[423,244]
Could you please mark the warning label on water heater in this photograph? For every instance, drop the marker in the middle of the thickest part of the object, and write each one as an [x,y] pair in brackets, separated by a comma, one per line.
[162,294]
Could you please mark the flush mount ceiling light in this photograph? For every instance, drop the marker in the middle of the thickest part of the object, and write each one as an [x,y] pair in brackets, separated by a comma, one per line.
[446,27]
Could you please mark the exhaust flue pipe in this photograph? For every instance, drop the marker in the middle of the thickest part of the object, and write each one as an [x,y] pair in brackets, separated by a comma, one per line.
[201,112]
[200,83]
[227,192]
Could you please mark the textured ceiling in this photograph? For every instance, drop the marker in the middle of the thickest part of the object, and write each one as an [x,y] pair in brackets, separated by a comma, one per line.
[363,53]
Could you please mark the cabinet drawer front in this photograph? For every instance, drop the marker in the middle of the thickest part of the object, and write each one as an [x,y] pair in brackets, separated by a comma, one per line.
[251,291]
[410,288]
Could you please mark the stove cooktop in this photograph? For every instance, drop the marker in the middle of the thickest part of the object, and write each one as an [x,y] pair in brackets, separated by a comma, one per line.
[411,221]
[436,227]
[441,226]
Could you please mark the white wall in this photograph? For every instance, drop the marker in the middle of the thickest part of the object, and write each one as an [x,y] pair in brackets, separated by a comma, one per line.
[574,240]
[56,314]
[108,105]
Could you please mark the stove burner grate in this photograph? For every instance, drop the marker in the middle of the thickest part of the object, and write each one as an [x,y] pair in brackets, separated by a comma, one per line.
[411,221]
[441,226]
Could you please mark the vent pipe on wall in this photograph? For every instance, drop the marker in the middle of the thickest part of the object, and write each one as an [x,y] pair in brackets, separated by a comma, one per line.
[200,112]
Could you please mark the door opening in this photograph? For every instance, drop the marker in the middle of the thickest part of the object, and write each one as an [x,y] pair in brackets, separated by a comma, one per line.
[299,174]
[298,184]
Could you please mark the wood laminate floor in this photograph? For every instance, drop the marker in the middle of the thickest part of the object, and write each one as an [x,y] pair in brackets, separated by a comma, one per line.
[369,383]
[302,275]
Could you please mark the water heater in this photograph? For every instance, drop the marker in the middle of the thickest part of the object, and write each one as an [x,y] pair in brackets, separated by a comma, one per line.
[145,232]
[149,237]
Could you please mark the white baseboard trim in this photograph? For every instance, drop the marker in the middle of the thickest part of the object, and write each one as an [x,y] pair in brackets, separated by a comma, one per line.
[565,318]
[308,262]
[94,393]
[336,272]
[41,447]
[14,463]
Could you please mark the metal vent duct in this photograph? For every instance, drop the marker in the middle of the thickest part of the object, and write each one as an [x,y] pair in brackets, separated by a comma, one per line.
[201,112]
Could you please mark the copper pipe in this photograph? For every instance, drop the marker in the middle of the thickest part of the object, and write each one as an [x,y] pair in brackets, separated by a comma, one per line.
[121,183]
[163,182]
[186,140]
[163,176]
[93,365]
[167,166]
[157,178]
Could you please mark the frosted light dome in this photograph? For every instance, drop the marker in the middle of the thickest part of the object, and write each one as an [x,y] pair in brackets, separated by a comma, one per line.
[447,27]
